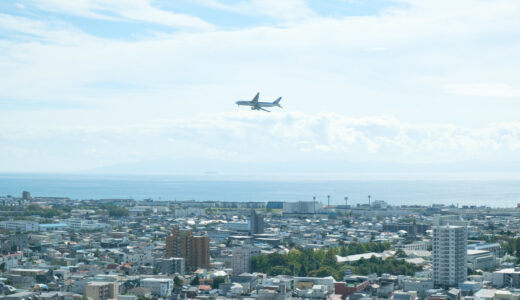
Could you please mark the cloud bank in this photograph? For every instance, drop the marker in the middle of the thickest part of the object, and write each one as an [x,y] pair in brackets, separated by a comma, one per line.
[252,137]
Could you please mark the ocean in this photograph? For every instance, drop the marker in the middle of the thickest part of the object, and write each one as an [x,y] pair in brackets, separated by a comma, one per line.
[494,191]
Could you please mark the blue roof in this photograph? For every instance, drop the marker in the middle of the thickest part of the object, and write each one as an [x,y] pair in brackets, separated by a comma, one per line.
[54,225]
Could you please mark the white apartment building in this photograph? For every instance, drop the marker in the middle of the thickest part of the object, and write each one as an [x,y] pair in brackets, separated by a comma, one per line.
[22,226]
[242,256]
[140,258]
[301,207]
[449,255]
[421,246]
[171,265]
[11,260]
[82,224]
[161,287]
[509,277]
[189,212]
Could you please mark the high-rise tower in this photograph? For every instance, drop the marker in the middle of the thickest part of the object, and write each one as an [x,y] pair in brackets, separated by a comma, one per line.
[449,253]
[194,249]
[256,222]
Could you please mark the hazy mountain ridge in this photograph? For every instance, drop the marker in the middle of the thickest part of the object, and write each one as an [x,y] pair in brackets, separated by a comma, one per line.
[202,166]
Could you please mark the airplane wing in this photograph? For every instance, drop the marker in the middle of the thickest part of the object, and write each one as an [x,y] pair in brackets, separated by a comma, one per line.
[255,99]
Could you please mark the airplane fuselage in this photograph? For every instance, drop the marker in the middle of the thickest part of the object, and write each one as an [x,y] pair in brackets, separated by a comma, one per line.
[257,105]
[261,104]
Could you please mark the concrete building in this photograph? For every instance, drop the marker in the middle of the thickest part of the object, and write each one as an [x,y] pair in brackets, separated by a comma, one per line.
[160,287]
[481,259]
[418,286]
[200,258]
[494,248]
[469,287]
[26,195]
[507,278]
[99,290]
[11,260]
[20,226]
[306,283]
[242,256]
[27,272]
[194,249]
[404,296]
[271,294]
[237,226]
[84,224]
[449,255]
[300,207]
[256,223]
[179,244]
[171,265]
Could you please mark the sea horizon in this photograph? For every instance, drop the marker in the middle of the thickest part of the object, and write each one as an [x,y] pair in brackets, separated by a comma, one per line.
[489,189]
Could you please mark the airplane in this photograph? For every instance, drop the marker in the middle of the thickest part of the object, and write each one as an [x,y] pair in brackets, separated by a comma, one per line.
[255,105]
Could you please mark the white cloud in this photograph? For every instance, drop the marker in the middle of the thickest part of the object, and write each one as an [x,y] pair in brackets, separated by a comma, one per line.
[317,64]
[260,138]
[128,10]
[496,90]
[287,10]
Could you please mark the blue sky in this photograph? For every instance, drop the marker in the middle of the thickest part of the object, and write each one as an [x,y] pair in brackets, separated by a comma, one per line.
[92,83]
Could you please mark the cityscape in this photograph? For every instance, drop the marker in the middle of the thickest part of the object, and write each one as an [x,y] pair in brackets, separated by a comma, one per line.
[259,149]
[58,248]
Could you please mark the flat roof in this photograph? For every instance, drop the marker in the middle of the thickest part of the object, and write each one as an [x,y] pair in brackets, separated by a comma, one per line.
[475,252]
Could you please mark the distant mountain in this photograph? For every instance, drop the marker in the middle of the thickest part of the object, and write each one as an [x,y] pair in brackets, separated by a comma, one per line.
[205,166]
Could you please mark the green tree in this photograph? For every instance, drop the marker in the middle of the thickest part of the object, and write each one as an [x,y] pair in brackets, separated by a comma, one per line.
[279,270]
[177,282]
[324,272]
[330,258]
[195,281]
[400,253]
[218,280]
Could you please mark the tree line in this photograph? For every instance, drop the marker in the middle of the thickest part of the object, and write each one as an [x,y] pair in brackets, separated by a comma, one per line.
[321,263]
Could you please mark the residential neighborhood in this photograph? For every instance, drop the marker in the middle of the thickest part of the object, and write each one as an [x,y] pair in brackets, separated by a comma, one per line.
[58,248]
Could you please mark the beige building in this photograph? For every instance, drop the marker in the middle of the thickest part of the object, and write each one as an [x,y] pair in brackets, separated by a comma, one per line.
[100,290]
[194,249]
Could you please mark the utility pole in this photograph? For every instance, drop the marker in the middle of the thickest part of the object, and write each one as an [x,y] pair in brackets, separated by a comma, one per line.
[369,199]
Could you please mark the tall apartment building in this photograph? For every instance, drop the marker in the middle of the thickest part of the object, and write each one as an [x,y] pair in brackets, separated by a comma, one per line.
[256,222]
[449,247]
[98,290]
[194,249]
[242,256]
[179,244]
[26,195]
[200,257]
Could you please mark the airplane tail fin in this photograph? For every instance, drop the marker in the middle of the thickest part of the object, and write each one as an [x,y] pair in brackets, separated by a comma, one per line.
[277,102]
